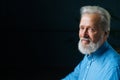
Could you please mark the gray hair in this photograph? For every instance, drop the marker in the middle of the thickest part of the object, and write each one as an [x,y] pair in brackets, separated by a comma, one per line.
[104,14]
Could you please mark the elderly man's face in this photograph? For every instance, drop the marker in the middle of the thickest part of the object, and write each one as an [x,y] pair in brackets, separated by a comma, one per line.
[90,33]
[90,28]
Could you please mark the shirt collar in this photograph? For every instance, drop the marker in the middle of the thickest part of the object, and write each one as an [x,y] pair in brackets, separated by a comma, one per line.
[97,53]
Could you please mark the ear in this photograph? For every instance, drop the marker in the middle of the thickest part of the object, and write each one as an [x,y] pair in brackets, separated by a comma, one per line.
[107,34]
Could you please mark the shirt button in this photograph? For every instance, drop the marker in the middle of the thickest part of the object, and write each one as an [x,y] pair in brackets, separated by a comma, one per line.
[87,67]
[92,60]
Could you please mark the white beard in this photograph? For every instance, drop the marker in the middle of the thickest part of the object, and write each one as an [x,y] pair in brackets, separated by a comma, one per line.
[90,48]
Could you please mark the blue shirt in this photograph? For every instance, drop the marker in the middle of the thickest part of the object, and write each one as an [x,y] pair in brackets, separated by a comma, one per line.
[104,64]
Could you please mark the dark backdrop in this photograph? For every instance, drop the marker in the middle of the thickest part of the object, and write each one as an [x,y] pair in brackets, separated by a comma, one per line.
[39,37]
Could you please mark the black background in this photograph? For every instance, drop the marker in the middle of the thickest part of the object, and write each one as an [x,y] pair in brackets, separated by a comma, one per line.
[39,38]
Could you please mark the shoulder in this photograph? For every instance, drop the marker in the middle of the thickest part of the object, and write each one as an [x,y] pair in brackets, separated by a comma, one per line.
[112,57]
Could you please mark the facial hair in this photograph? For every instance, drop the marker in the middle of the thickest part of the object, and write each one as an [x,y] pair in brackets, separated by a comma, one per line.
[89,48]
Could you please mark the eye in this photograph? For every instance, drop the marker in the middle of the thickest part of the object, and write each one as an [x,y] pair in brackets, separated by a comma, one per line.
[92,29]
[81,28]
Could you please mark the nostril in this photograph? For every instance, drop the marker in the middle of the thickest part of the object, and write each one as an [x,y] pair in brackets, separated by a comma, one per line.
[85,35]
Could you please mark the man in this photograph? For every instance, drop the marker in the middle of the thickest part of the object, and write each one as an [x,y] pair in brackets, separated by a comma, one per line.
[101,61]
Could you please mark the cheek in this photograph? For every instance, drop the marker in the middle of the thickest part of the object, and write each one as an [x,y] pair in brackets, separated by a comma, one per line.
[79,34]
[96,38]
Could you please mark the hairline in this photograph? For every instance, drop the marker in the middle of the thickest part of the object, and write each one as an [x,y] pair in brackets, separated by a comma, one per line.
[104,15]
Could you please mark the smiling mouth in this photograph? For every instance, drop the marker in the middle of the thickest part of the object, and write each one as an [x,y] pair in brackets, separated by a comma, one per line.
[85,41]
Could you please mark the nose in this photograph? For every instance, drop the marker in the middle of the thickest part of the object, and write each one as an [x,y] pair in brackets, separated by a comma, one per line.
[84,33]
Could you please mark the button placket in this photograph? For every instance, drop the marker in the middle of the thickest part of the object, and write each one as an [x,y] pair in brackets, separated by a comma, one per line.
[86,72]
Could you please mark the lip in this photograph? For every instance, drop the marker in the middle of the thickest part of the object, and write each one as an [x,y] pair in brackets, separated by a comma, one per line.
[85,41]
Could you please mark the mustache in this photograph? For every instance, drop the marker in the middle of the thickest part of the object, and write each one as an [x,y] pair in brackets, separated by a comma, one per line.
[85,39]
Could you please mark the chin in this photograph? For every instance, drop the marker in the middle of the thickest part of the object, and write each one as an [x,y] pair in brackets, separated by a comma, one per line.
[88,48]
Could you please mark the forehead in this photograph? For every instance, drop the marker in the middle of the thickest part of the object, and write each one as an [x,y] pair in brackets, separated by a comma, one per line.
[90,18]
